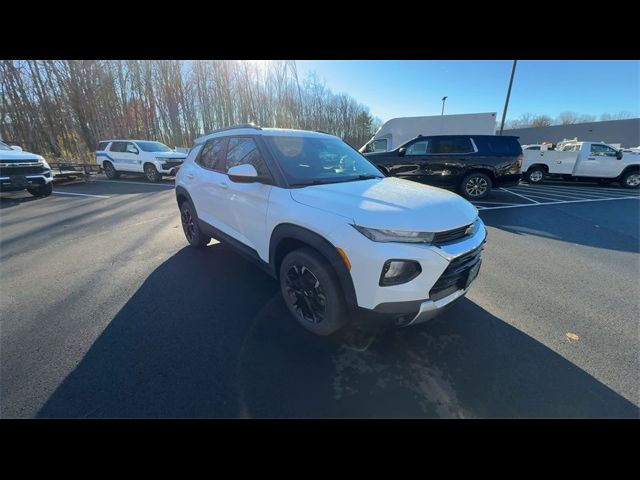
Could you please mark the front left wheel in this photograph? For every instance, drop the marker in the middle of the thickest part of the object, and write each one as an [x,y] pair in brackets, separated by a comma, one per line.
[312,292]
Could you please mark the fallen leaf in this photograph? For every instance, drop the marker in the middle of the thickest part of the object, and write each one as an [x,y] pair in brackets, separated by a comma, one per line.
[572,336]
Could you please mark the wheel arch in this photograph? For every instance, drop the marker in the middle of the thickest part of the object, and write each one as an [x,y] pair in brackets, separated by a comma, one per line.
[542,166]
[287,237]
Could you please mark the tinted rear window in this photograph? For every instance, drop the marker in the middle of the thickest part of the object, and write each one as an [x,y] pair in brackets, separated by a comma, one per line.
[450,145]
[102,146]
[498,145]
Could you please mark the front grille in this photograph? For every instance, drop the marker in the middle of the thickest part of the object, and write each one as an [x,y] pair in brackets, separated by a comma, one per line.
[8,171]
[441,238]
[455,275]
[171,164]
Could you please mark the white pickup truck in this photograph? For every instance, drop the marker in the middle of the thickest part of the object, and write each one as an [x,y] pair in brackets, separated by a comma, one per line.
[583,160]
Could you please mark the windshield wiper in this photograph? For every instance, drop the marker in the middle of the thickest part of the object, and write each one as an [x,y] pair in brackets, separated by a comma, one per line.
[309,182]
[361,177]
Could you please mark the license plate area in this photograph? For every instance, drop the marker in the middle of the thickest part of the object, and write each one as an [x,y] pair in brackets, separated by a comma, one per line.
[473,274]
[19,181]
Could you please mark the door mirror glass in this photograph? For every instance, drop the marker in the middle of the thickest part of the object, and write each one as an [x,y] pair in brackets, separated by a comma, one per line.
[245,173]
[402,151]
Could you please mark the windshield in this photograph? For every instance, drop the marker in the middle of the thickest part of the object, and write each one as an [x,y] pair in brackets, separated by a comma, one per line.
[308,161]
[153,147]
[4,146]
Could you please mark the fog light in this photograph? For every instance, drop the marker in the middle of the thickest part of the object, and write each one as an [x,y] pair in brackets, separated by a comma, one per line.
[395,272]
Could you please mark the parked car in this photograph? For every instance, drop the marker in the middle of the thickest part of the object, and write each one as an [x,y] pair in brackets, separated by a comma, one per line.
[470,164]
[149,158]
[339,236]
[583,161]
[393,133]
[24,171]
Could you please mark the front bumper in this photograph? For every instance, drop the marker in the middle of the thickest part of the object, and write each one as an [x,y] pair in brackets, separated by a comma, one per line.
[14,183]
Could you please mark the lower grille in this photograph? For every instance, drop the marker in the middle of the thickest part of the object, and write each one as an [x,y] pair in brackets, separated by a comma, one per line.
[8,171]
[455,276]
[168,165]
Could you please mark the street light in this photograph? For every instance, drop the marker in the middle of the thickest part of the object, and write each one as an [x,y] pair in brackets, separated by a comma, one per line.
[443,100]
[506,103]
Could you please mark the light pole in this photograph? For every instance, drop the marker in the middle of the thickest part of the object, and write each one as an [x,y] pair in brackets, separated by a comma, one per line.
[443,100]
[506,103]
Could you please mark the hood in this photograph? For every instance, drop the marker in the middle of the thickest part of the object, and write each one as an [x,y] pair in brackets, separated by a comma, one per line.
[171,155]
[390,203]
[18,156]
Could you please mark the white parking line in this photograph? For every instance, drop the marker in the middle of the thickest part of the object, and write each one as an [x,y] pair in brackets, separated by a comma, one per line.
[135,183]
[560,202]
[81,194]
[514,193]
[568,193]
[575,191]
[545,194]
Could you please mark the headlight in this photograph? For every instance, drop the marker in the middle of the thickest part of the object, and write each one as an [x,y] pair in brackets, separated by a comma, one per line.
[378,235]
[45,164]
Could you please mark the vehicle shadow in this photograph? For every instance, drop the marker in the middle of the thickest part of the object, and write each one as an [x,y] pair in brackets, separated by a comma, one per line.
[14,199]
[208,336]
[607,225]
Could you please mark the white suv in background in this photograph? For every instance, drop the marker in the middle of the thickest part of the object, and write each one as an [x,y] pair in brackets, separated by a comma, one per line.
[24,171]
[339,236]
[152,159]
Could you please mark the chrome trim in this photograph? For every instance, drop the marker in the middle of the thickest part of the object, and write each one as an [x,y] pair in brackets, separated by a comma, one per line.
[454,250]
[429,309]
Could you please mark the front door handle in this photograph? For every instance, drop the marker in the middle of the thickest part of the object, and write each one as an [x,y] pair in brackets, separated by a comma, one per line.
[223,185]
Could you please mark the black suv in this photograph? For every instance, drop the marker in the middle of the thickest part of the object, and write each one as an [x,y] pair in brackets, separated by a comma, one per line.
[471,164]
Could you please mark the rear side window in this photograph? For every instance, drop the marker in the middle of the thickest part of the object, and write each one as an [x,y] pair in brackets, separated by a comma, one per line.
[212,154]
[102,146]
[118,147]
[499,145]
[244,150]
[450,145]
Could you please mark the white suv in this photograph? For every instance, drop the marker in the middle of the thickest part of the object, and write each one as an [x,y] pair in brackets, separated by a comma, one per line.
[339,236]
[152,159]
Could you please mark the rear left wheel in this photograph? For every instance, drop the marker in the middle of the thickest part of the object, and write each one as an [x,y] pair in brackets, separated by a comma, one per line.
[475,186]
[630,179]
[311,291]
[190,226]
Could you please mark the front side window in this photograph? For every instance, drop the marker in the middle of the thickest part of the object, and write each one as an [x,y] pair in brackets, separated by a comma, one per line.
[118,147]
[212,154]
[244,150]
[311,160]
[602,150]
[153,147]
[379,145]
[450,145]
[418,148]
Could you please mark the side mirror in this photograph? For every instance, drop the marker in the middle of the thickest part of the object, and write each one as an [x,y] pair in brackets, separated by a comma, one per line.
[16,147]
[402,151]
[245,173]
[619,154]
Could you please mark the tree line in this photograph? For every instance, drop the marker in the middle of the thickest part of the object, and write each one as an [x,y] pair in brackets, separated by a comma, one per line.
[527,120]
[63,108]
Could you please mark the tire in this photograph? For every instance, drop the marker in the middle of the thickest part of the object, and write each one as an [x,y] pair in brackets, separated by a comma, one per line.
[535,175]
[475,186]
[151,173]
[630,179]
[43,191]
[190,227]
[110,171]
[312,292]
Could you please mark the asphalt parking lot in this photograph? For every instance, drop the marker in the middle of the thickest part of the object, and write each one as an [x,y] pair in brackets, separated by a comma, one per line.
[106,312]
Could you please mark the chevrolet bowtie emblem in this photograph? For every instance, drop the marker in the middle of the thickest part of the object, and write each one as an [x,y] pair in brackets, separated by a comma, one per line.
[470,229]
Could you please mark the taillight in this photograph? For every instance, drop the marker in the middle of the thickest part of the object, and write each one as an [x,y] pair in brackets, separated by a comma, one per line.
[519,161]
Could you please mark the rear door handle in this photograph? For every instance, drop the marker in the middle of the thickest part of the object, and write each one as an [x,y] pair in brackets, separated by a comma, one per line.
[223,185]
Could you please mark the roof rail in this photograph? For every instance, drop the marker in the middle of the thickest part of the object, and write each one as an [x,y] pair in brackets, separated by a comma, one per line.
[322,131]
[235,127]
